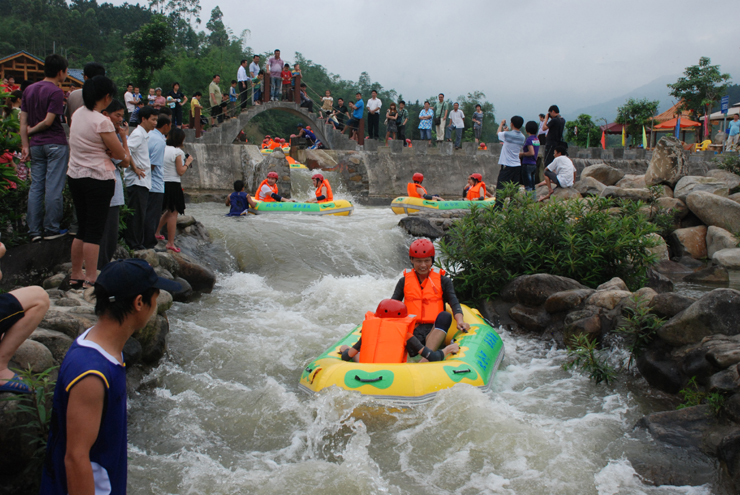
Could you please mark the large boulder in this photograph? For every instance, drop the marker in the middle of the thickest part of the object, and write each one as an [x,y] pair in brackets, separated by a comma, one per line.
[668,163]
[713,274]
[660,250]
[185,293]
[669,304]
[582,322]
[693,183]
[657,281]
[727,258]
[603,173]
[533,290]
[34,355]
[728,452]
[608,299]
[717,312]
[567,300]
[675,206]
[563,193]
[615,283]
[715,210]
[622,193]
[199,277]
[420,227]
[71,324]
[718,239]
[588,186]
[691,241]
[732,180]
[632,182]
[153,338]
[735,197]
[57,342]
[684,428]
[534,319]
[726,381]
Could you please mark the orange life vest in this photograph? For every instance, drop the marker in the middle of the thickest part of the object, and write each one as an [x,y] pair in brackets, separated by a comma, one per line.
[424,300]
[329,195]
[274,144]
[411,190]
[474,191]
[267,198]
[384,339]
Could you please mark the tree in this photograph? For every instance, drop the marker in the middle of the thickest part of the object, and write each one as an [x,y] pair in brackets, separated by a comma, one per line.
[700,88]
[635,114]
[219,35]
[148,48]
[582,131]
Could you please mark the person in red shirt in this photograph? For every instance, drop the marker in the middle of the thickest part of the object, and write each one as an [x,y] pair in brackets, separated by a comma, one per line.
[286,76]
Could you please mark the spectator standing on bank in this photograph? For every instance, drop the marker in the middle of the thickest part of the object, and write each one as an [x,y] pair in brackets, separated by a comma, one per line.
[195,103]
[275,65]
[242,83]
[159,100]
[457,124]
[511,165]
[340,113]
[179,99]
[137,177]
[528,157]
[257,87]
[425,122]
[254,71]
[358,108]
[45,143]
[216,97]
[296,72]
[157,143]
[734,127]
[109,241]
[373,115]
[441,109]
[286,76]
[128,99]
[176,162]
[401,121]
[306,102]
[554,126]
[92,138]
[137,95]
[233,98]
[477,123]
[541,133]
[74,100]
[151,97]
[391,124]
[327,102]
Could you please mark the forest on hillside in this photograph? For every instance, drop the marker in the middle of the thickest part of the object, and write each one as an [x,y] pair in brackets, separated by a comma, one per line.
[169,42]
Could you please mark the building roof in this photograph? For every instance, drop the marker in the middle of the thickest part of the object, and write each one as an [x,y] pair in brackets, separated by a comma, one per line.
[22,52]
[76,74]
[671,114]
[73,74]
[671,124]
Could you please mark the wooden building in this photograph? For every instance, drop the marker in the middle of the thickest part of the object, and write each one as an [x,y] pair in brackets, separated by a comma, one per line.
[22,66]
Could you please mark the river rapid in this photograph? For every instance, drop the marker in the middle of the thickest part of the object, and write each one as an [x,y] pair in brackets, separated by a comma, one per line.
[223,414]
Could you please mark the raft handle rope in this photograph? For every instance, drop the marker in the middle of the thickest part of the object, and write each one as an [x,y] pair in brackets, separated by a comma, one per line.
[370,380]
[457,372]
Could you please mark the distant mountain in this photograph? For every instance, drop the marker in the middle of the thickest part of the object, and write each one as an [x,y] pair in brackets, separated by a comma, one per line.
[654,90]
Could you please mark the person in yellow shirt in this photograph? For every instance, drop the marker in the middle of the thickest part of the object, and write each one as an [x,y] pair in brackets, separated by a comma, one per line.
[195,102]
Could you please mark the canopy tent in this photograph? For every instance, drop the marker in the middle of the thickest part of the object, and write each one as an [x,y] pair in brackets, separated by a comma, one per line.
[671,124]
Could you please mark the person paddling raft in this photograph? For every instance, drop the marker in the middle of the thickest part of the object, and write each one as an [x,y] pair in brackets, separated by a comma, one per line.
[416,190]
[476,189]
[323,190]
[268,190]
[425,290]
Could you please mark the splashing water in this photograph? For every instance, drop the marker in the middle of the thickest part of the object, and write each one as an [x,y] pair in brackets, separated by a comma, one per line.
[222,414]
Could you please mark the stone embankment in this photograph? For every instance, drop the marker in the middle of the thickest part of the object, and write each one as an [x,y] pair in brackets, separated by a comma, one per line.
[73,311]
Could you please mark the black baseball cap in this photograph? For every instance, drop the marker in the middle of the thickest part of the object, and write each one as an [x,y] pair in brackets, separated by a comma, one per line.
[127,278]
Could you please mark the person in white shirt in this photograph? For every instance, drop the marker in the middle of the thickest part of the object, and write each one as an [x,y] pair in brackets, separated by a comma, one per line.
[254,70]
[128,98]
[560,171]
[457,124]
[137,177]
[241,82]
[373,116]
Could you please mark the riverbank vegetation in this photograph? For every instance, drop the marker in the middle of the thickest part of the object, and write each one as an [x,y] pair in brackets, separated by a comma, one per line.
[587,240]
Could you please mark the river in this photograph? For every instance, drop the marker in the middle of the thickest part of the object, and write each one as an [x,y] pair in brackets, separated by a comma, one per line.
[223,414]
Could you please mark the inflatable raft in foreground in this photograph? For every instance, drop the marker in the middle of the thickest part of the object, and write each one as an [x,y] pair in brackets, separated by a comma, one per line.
[405,204]
[481,353]
[340,207]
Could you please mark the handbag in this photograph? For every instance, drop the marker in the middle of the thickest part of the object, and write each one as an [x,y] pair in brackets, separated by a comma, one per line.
[437,120]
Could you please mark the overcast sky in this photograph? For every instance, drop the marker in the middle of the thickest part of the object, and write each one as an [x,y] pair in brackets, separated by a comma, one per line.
[523,55]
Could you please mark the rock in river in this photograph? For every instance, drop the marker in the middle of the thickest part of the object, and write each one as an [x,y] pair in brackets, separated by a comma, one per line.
[717,312]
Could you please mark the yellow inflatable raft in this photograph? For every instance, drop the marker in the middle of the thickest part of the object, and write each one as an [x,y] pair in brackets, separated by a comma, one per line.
[481,353]
[407,205]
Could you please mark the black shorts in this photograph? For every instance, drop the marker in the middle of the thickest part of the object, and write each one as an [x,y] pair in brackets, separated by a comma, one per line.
[353,123]
[553,177]
[174,199]
[91,198]
[11,312]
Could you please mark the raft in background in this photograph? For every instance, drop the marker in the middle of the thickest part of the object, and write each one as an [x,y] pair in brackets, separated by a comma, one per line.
[481,352]
[340,207]
[408,205]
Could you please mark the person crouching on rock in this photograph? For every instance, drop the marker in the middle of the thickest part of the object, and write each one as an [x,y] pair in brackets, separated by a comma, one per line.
[416,190]
[561,171]
[239,201]
[323,190]
[268,190]
[387,335]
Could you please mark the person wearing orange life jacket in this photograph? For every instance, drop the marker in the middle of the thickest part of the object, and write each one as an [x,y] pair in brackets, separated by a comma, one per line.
[476,189]
[416,190]
[268,191]
[387,335]
[425,290]
[323,190]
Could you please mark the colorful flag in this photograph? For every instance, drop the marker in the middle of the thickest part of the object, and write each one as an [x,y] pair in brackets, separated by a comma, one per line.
[624,133]
[678,127]
[603,140]
[644,138]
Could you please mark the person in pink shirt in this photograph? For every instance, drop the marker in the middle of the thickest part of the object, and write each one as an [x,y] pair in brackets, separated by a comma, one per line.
[159,100]
[275,66]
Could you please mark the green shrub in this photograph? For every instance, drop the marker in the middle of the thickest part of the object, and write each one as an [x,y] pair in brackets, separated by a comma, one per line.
[693,395]
[583,355]
[730,163]
[580,239]
[639,327]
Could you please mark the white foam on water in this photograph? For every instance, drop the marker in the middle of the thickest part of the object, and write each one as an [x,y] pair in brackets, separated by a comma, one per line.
[224,413]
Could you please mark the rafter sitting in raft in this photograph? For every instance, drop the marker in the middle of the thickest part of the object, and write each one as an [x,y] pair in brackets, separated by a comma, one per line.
[416,190]
[268,190]
[425,290]
[323,190]
[476,189]
[387,335]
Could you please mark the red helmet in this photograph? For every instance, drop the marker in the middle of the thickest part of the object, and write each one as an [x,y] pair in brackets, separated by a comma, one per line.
[408,141]
[418,177]
[274,175]
[267,136]
[476,176]
[421,248]
[318,176]
[390,308]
